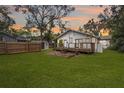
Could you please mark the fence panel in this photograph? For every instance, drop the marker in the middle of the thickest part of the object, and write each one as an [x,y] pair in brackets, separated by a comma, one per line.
[2,48]
[34,47]
[19,47]
[16,47]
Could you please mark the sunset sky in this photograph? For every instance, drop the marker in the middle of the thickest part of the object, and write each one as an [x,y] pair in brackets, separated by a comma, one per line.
[77,18]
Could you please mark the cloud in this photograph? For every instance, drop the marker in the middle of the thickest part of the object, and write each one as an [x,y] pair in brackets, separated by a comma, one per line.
[92,10]
[72,19]
[77,18]
[74,28]
[57,29]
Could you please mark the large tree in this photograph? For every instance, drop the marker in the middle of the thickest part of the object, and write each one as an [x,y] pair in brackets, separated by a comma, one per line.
[5,19]
[113,18]
[63,26]
[42,16]
[92,27]
[48,35]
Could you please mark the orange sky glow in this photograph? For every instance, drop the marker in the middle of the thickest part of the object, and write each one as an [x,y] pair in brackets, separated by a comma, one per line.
[90,10]
[80,16]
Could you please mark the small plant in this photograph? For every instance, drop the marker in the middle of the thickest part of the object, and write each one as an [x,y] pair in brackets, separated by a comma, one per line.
[61,44]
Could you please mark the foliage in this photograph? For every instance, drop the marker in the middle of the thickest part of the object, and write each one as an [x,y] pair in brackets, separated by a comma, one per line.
[21,33]
[92,27]
[5,19]
[48,36]
[25,33]
[113,18]
[34,38]
[83,29]
[62,26]
[41,16]
[61,44]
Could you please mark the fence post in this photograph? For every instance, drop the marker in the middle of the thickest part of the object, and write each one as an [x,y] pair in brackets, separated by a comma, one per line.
[93,47]
[28,46]
[40,46]
[5,47]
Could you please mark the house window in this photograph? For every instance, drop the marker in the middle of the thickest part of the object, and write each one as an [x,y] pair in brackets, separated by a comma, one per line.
[84,40]
[81,41]
[88,46]
[84,46]
[70,40]
[87,40]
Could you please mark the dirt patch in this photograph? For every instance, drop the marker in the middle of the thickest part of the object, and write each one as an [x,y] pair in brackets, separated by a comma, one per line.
[62,53]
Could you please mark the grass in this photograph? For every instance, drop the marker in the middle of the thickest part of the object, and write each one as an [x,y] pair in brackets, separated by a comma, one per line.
[42,70]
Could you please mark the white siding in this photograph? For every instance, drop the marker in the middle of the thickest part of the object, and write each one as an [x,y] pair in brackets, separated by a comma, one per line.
[105,43]
[70,37]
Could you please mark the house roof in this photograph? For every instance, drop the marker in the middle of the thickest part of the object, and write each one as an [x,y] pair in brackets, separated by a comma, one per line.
[76,32]
[14,36]
[105,37]
[9,35]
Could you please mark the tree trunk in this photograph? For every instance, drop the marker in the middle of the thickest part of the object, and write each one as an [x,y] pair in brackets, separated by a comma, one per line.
[41,36]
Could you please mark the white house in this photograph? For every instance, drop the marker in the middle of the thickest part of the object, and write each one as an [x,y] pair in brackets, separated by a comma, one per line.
[105,37]
[76,39]
[105,41]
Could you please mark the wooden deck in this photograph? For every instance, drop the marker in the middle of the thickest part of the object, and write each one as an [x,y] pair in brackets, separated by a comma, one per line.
[78,49]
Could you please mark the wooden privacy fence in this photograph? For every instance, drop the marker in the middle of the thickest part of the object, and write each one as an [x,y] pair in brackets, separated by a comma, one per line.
[19,47]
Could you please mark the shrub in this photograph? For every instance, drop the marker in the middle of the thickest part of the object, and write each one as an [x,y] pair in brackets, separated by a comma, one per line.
[61,44]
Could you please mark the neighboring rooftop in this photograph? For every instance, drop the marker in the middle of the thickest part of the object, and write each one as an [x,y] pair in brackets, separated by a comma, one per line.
[16,37]
[106,37]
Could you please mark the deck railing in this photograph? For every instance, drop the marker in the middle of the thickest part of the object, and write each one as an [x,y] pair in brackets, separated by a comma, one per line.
[86,46]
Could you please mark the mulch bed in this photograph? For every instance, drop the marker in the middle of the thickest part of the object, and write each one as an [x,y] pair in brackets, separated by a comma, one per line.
[62,53]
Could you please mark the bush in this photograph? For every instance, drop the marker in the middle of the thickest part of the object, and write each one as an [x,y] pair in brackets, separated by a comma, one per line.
[61,44]
[118,44]
[121,49]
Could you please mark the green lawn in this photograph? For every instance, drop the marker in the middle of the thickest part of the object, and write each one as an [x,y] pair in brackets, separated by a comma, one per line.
[42,70]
